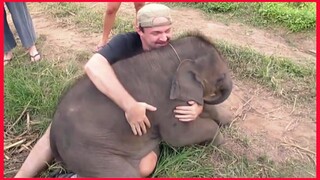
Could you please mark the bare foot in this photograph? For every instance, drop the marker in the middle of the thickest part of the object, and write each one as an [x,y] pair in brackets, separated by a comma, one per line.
[100,45]
[97,48]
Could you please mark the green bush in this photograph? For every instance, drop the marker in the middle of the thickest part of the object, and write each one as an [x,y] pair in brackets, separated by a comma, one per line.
[217,7]
[296,17]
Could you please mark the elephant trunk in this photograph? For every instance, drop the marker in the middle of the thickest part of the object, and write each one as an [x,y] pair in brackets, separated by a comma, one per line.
[221,95]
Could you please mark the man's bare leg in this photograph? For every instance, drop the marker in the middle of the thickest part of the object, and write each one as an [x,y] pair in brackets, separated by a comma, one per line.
[137,6]
[39,157]
[109,18]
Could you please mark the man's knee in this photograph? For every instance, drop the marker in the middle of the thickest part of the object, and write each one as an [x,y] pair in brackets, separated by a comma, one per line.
[148,164]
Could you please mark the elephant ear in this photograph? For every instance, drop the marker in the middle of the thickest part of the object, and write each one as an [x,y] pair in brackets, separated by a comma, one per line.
[185,84]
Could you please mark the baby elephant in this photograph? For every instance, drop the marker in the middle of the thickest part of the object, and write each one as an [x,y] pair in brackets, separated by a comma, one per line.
[90,134]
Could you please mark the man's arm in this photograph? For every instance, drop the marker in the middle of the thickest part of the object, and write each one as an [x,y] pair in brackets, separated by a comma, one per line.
[103,77]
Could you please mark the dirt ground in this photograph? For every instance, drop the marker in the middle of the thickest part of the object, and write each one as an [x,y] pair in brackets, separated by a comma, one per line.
[274,127]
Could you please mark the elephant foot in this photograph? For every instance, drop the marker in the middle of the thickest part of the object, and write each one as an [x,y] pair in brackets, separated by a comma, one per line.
[225,118]
[219,113]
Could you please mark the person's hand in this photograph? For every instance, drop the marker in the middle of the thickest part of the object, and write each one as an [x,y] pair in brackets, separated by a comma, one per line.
[137,119]
[188,113]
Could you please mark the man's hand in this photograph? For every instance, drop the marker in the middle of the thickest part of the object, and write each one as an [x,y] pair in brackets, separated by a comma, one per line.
[137,119]
[188,113]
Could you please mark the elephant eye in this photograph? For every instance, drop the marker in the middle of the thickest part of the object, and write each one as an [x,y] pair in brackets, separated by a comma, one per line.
[221,78]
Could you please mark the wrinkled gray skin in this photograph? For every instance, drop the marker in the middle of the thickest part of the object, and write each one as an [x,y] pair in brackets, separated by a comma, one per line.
[90,133]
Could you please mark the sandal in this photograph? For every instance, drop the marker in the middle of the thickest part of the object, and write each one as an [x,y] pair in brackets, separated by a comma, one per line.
[6,61]
[7,58]
[62,174]
[36,57]
[67,175]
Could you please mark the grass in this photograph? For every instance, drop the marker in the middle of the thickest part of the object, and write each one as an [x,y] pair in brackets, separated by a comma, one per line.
[223,162]
[36,88]
[183,162]
[75,14]
[287,79]
[296,17]
[82,16]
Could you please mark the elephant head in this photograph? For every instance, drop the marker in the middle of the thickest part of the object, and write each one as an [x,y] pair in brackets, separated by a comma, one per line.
[204,80]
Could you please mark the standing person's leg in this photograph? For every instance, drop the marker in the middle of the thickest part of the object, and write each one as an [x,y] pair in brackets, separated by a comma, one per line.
[9,42]
[38,158]
[137,6]
[109,18]
[24,26]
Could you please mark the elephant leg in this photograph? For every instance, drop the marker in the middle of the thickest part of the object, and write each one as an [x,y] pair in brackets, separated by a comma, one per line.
[195,132]
[219,113]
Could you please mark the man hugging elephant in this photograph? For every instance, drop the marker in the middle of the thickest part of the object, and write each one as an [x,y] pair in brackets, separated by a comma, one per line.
[139,89]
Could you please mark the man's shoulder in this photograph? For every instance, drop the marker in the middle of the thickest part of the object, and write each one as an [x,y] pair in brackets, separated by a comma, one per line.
[128,36]
[129,41]
[122,46]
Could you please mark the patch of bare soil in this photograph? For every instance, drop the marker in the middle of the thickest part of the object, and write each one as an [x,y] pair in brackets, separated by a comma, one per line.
[272,126]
